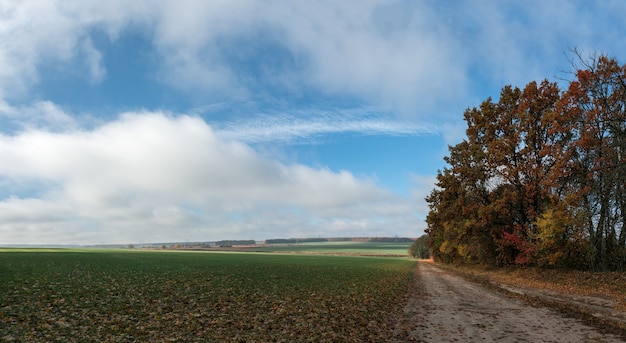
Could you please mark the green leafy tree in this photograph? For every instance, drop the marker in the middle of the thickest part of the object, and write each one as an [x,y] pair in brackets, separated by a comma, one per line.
[419,248]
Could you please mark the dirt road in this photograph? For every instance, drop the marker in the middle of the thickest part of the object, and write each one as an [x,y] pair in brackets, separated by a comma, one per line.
[447,308]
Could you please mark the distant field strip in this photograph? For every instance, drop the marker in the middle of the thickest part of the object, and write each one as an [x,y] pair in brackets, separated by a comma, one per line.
[340,248]
[94,295]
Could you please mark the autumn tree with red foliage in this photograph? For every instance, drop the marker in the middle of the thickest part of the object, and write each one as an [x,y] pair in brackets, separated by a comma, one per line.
[591,120]
[539,180]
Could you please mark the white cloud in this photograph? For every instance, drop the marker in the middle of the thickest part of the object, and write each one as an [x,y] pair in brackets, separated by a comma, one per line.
[33,32]
[423,185]
[93,59]
[385,52]
[147,175]
[167,157]
[39,115]
[151,176]
[407,55]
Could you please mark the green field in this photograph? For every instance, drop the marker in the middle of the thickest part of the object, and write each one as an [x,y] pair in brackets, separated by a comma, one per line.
[340,248]
[124,295]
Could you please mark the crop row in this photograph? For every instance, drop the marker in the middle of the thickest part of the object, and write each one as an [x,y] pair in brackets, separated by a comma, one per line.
[165,296]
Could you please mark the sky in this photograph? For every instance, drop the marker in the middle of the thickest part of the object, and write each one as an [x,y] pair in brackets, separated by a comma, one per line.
[182,121]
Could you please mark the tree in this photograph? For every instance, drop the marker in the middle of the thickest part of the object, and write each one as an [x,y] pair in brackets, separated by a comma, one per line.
[500,170]
[455,226]
[541,177]
[419,248]
[592,126]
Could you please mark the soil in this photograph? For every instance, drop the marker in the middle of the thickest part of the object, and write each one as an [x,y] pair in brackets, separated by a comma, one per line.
[445,307]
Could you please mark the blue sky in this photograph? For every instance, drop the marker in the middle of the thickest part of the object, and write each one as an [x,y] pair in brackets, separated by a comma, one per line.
[155,121]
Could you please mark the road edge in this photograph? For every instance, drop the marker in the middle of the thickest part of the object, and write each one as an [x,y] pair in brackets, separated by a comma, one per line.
[605,323]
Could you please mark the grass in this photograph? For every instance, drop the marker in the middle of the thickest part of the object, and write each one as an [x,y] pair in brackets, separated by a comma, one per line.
[112,296]
[340,248]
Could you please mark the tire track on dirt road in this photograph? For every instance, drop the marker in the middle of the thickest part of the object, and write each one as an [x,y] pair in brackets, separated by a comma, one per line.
[444,307]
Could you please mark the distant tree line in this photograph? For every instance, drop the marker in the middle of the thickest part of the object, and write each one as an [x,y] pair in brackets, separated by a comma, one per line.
[294,240]
[230,243]
[338,239]
[392,239]
[281,241]
[540,178]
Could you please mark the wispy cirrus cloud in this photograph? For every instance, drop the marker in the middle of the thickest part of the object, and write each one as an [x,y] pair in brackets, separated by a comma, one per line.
[306,126]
